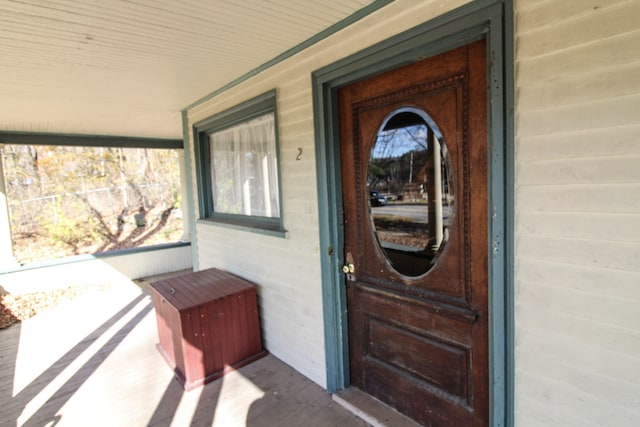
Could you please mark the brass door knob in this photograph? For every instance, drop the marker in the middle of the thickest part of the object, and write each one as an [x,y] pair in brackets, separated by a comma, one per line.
[348,268]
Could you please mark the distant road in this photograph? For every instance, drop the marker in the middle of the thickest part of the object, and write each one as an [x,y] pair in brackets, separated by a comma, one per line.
[417,212]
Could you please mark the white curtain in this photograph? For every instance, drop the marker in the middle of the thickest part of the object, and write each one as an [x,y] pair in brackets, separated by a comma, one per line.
[244,168]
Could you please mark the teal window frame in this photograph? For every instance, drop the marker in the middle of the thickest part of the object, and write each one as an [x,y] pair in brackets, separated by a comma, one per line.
[256,107]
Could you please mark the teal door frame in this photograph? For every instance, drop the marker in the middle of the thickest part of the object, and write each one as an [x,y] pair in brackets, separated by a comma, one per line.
[493,21]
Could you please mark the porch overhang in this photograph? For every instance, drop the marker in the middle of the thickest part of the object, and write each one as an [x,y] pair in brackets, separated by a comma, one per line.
[121,68]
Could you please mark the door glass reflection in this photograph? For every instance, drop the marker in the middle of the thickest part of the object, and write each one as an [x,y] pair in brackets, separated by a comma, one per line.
[411,191]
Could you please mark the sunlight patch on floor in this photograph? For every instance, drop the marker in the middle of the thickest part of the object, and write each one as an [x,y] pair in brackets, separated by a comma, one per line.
[50,336]
[228,407]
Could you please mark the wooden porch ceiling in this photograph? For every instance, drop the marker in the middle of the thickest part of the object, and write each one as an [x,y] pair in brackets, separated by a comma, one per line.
[122,67]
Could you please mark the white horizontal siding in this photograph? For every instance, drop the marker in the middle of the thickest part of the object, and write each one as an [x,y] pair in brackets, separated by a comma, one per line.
[587,142]
[288,270]
[605,113]
[152,263]
[577,225]
[609,198]
[594,170]
[577,213]
[580,22]
[580,251]
[604,281]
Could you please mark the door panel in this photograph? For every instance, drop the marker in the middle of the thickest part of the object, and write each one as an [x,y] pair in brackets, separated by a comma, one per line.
[418,341]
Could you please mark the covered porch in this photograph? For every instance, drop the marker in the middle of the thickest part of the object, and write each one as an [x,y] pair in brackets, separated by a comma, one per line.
[558,255]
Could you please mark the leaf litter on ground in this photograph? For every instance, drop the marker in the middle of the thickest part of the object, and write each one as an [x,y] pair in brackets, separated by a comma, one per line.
[15,308]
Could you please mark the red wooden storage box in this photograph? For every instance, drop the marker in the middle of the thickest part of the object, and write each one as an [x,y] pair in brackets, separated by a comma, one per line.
[207,324]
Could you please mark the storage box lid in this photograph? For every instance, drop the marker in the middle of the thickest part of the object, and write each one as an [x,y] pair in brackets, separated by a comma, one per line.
[193,289]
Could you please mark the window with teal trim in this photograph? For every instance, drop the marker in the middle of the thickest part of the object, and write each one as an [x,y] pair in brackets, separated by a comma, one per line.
[238,167]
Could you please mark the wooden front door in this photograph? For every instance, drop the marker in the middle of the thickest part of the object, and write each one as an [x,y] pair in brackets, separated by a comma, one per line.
[414,171]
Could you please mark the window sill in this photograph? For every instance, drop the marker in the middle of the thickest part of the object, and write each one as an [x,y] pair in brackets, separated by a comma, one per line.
[250,226]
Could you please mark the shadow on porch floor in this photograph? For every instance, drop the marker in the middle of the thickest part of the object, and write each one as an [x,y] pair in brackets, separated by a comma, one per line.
[93,361]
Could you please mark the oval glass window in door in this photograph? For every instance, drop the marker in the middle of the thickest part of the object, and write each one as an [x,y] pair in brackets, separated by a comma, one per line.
[411,191]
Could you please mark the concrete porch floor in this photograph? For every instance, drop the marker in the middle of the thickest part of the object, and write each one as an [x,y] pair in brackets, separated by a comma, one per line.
[93,362]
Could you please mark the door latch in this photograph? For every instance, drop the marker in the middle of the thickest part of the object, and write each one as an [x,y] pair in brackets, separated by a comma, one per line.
[349,268]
